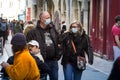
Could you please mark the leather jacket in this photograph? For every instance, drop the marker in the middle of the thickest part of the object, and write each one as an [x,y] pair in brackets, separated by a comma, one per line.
[82,44]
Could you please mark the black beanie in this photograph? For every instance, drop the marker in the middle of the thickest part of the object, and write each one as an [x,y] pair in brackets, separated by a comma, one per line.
[18,39]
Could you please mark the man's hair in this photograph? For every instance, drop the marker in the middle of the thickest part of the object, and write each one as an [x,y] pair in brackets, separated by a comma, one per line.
[16,48]
[117,18]
[40,15]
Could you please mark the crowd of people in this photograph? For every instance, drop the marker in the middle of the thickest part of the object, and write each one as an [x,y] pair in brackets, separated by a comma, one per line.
[38,47]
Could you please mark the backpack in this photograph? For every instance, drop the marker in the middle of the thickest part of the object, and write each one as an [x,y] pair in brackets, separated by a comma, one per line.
[3,26]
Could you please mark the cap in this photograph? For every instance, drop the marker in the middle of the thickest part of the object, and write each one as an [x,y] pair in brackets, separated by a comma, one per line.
[34,43]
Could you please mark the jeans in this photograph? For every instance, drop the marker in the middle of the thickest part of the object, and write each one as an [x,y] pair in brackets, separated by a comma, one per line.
[53,65]
[71,73]
[116,52]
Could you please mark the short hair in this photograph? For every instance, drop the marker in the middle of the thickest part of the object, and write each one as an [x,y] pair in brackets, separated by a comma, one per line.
[16,48]
[117,18]
[40,15]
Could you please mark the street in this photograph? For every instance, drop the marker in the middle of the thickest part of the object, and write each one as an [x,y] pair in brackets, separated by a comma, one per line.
[88,74]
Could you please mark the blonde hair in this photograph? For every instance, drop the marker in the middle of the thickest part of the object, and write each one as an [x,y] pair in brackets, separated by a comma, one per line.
[28,28]
[79,24]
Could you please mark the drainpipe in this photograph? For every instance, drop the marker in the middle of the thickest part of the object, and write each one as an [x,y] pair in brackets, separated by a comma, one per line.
[45,5]
[85,14]
[68,13]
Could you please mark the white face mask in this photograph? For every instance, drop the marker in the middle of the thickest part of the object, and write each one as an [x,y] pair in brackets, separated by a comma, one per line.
[74,30]
[47,21]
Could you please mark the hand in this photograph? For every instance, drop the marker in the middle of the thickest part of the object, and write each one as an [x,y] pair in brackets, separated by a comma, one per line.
[90,62]
[66,31]
[4,64]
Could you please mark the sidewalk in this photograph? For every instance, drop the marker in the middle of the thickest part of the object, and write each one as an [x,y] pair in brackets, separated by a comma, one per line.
[102,65]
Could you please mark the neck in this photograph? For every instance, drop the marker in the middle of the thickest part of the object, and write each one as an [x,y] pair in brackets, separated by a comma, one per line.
[42,25]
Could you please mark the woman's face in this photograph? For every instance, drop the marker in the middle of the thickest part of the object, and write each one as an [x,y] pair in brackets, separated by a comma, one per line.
[74,28]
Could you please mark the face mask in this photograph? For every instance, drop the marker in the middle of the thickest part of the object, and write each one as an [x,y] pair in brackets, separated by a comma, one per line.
[74,30]
[47,21]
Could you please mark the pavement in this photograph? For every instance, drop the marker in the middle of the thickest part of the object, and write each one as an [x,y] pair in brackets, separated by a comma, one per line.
[102,65]
[99,64]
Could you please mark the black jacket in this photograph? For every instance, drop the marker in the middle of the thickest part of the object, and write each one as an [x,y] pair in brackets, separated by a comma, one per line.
[82,44]
[37,34]
[115,72]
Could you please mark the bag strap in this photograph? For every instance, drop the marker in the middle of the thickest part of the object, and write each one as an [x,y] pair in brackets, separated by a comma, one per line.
[79,57]
[73,45]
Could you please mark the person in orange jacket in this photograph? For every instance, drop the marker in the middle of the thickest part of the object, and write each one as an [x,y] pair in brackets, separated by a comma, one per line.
[24,65]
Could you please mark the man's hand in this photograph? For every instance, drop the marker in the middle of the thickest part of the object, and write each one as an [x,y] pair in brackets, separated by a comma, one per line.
[4,64]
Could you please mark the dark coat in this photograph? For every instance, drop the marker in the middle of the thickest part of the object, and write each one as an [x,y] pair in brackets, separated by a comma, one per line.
[37,34]
[115,72]
[82,44]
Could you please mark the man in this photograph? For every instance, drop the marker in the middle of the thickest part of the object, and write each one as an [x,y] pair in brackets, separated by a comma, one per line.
[3,30]
[47,37]
[116,37]
[33,47]
[24,66]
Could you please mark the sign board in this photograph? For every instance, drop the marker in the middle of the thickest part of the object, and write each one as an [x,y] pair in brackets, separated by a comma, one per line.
[1,45]
[28,14]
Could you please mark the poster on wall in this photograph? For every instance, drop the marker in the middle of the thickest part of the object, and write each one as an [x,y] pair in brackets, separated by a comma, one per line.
[28,14]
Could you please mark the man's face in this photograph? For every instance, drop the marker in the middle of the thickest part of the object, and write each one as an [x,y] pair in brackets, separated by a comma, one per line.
[33,49]
[44,17]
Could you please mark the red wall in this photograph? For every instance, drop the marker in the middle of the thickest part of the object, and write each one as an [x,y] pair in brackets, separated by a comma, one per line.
[101,21]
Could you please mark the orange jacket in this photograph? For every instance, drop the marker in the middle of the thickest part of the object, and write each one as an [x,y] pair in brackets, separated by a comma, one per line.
[24,67]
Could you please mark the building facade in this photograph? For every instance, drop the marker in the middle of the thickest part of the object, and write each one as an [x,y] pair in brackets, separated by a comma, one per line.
[11,8]
[102,13]
[61,10]
[97,17]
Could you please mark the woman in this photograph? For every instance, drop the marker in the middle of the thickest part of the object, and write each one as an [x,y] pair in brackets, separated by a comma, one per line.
[24,66]
[75,43]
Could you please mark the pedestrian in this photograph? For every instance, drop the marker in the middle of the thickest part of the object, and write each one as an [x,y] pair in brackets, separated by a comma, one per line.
[24,66]
[115,72]
[33,47]
[27,28]
[47,37]
[63,29]
[116,37]
[12,25]
[17,27]
[3,30]
[75,44]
